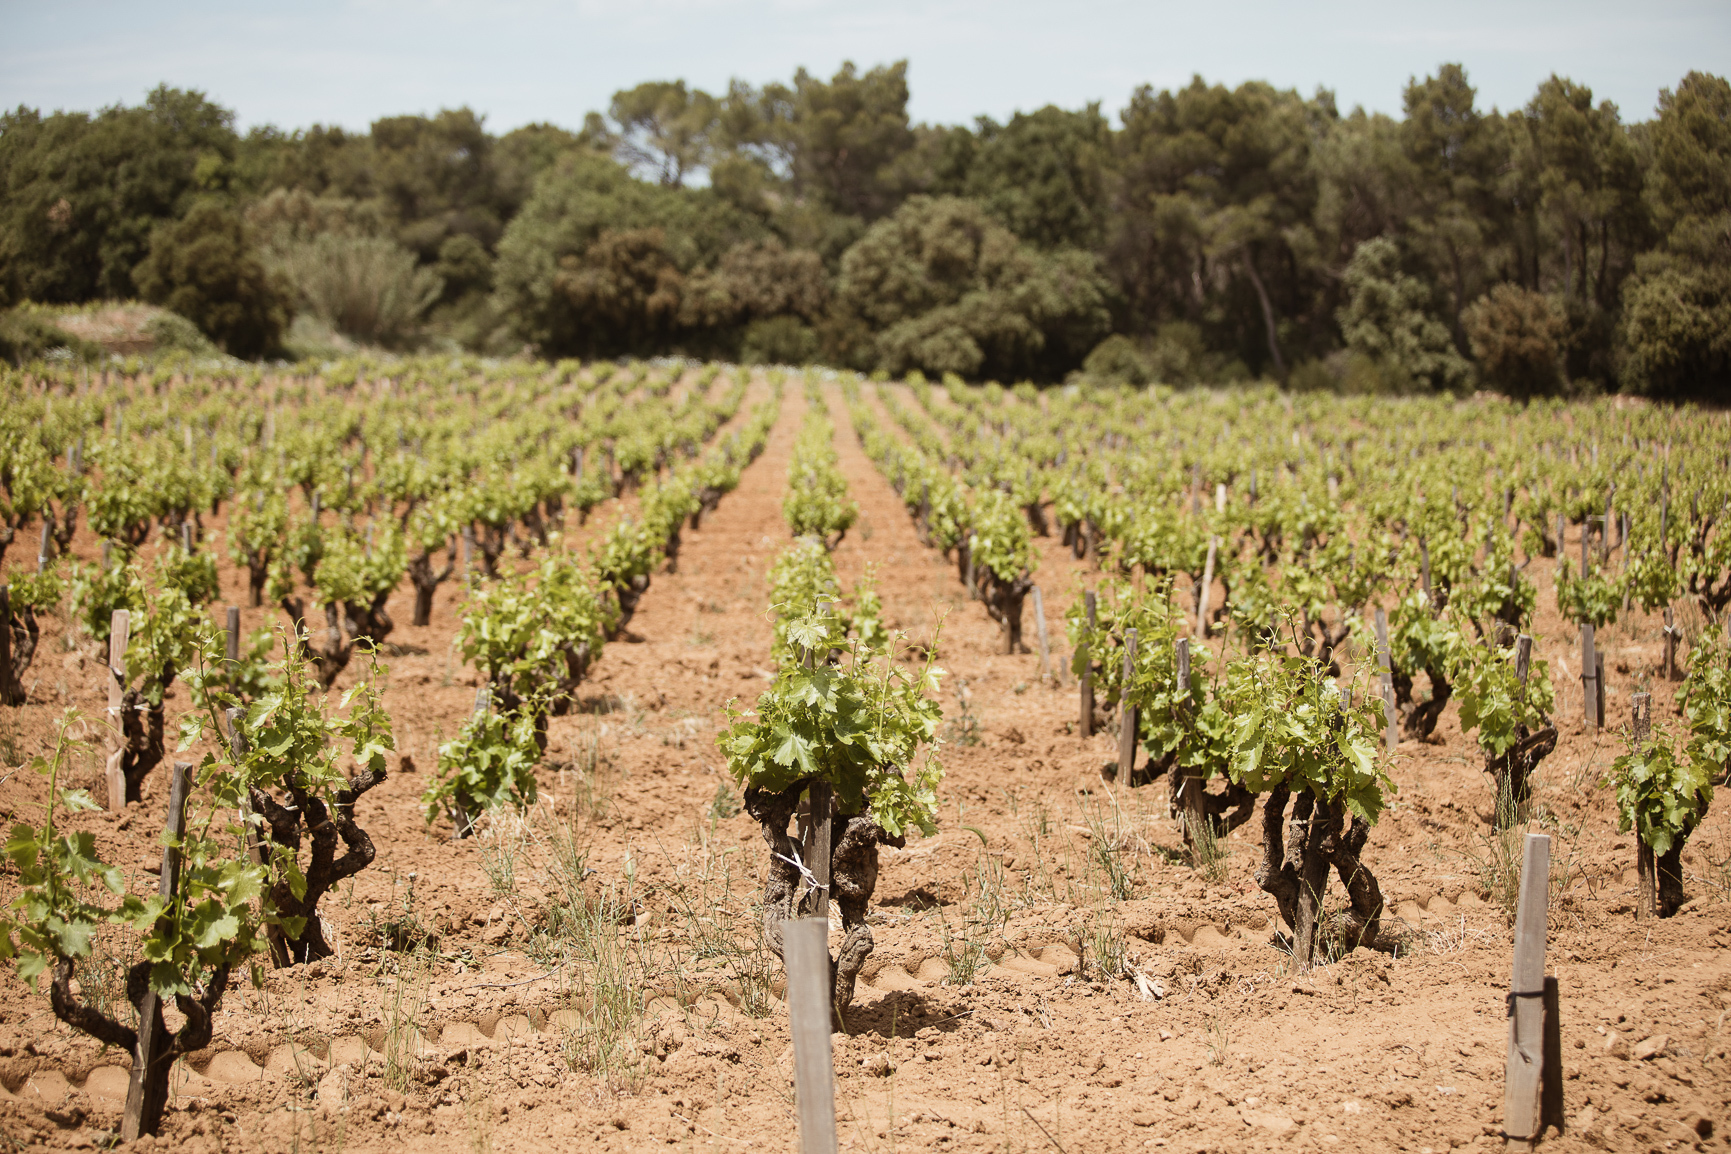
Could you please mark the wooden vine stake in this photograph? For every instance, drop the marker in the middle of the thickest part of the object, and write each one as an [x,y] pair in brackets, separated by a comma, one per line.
[1533,1078]
[1646,867]
[1187,785]
[1392,734]
[11,693]
[1040,629]
[147,1097]
[1087,689]
[1207,587]
[232,630]
[805,948]
[119,631]
[1671,634]
[821,797]
[1590,665]
[1127,713]
[1599,686]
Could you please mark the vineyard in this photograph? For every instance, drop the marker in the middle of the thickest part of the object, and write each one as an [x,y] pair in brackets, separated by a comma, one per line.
[428,749]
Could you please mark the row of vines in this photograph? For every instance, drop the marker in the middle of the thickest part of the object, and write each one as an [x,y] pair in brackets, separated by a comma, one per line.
[328,490]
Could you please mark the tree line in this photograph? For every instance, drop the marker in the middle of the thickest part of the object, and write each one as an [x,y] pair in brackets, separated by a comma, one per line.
[1212,234]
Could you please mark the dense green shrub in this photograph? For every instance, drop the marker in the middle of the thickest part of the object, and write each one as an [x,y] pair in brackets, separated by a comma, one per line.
[27,335]
[1388,322]
[205,268]
[1515,334]
[949,290]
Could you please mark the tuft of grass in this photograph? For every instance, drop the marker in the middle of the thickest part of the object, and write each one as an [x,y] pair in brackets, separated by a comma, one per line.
[753,973]
[400,929]
[590,796]
[1219,1040]
[1110,846]
[964,953]
[608,993]
[502,842]
[726,803]
[1715,856]
[403,1008]
[1497,861]
[1104,950]
[964,727]
[1208,851]
[478,1116]
[102,975]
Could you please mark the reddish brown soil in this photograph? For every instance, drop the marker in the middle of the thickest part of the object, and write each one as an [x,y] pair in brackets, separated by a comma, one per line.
[1236,1053]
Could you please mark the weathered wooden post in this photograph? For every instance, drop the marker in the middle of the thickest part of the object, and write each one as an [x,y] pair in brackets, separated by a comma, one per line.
[1386,662]
[1671,671]
[1127,712]
[1187,785]
[1207,587]
[147,1097]
[11,691]
[119,631]
[810,1009]
[1532,1087]
[1605,542]
[1040,630]
[821,817]
[1599,680]
[44,547]
[1087,687]
[231,628]
[1646,867]
[1590,666]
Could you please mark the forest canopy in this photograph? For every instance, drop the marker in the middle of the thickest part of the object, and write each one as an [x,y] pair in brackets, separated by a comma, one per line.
[1204,235]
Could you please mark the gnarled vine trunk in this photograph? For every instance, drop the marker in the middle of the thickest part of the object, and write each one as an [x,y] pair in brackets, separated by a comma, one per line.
[197,1008]
[1418,719]
[1297,855]
[628,595]
[1513,771]
[20,635]
[427,580]
[142,747]
[326,648]
[325,826]
[491,541]
[368,620]
[1003,600]
[853,872]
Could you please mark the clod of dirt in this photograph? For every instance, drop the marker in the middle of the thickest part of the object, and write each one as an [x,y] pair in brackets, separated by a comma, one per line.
[1650,1048]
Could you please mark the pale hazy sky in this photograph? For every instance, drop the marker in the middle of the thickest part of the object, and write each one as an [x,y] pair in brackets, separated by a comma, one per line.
[518,61]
